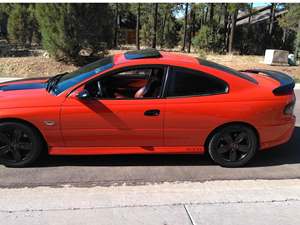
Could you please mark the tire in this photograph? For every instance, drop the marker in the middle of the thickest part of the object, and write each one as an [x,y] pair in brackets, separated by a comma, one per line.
[233,145]
[20,145]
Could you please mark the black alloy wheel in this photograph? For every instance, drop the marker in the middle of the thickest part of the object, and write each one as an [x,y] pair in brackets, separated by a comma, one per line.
[233,146]
[20,145]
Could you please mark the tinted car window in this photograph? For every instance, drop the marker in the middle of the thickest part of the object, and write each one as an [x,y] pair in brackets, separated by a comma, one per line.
[226,69]
[183,82]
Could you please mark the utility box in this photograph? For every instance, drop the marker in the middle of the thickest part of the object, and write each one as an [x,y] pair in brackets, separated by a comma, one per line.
[276,57]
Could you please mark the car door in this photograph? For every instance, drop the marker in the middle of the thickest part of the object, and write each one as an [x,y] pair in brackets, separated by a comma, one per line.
[190,106]
[111,121]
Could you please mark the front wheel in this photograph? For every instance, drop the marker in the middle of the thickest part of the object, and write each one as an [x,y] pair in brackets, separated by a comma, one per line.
[20,145]
[233,145]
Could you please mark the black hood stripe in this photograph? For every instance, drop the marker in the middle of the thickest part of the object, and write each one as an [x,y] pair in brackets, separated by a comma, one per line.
[26,86]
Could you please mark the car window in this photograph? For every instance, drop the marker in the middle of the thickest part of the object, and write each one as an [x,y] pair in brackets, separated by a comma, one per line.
[130,84]
[185,82]
[226,70]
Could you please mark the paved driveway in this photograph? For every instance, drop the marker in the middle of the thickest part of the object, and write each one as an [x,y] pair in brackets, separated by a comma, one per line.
[279,163]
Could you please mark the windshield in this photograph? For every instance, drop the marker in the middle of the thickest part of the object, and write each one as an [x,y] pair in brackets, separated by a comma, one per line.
[83,73]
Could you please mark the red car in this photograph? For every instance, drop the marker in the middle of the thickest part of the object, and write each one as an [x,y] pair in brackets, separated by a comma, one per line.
[147,102]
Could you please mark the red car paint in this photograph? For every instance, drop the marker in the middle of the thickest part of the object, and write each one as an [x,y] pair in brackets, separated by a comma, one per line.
[118,126]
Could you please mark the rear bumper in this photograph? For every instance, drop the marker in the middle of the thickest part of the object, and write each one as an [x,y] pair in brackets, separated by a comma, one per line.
[278,134]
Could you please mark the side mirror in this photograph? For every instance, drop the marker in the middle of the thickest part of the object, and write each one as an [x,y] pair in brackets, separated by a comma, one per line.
[84,94]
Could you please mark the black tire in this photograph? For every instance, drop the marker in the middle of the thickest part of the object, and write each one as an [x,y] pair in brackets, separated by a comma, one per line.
[233,145]
[20,145]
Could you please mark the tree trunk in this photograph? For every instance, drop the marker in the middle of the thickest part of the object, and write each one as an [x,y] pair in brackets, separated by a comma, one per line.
[250,12]
[205,15]
[272,18]
[271,27]
[116,26]
[211,21]
[232,31]
[211,13]
[185,26]
[191,30]
[137,38]
[155,25]
[162,44]
[225,35]
[297,42]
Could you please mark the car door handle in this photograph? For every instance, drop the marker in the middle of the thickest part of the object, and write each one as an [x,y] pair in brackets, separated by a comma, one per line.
[152,112]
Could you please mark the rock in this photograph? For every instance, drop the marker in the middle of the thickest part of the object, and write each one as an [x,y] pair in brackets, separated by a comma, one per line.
[46,54]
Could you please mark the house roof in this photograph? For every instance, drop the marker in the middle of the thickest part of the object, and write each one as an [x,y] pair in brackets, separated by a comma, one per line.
[261,16]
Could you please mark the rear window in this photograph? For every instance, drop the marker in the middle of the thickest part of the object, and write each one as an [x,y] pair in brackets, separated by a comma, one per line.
[186,82]
[226,69]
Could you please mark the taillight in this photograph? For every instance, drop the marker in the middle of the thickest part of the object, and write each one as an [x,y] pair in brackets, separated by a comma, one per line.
[289,109]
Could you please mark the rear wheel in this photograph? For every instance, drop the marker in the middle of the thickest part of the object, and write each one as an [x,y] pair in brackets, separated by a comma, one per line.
[20,145]
[233,145]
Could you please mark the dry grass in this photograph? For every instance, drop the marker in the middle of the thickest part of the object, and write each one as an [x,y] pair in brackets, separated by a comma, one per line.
[34,66]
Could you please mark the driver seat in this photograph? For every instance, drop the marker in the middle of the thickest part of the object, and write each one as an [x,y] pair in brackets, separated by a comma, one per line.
[149,90]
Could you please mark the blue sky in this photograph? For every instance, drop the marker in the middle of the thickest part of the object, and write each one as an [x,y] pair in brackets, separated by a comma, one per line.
[257,4]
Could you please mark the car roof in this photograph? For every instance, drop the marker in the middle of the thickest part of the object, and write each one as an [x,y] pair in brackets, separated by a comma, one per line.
[148,55]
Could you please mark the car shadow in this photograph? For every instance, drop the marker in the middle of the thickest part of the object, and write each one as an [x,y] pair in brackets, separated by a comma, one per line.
[288,153]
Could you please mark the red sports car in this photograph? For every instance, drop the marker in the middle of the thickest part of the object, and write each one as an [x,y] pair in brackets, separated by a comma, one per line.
[147,102]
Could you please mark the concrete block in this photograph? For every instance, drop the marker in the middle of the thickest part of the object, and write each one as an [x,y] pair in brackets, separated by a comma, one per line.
[276,57]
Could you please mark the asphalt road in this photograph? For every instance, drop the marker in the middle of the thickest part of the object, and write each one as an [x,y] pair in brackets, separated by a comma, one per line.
[282,162]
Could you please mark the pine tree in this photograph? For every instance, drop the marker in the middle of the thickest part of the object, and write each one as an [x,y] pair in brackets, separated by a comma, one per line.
[18,24]
[291,21]
[67,28]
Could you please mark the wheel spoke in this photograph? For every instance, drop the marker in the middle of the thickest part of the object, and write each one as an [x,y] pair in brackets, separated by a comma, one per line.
[232,156]
[223,149]
[16,154]
[24,146]
[227,138]
[17,135]
[4,149]
[241,137]
[244,148]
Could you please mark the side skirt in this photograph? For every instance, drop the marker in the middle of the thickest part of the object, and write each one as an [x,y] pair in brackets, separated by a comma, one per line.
[125,150]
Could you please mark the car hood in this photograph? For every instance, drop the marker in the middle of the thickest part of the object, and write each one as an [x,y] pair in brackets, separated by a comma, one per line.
[26,93]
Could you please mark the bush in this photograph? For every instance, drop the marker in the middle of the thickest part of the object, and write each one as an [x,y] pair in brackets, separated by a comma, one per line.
[68,28]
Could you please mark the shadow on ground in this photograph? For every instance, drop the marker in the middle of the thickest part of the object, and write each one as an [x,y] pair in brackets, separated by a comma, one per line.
[285,154]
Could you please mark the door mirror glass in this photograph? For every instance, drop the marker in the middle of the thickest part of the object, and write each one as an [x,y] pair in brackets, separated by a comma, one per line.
[84,94]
